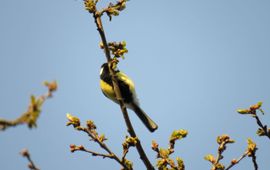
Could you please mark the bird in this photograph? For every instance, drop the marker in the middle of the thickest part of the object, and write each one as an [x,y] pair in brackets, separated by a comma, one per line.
[128,93]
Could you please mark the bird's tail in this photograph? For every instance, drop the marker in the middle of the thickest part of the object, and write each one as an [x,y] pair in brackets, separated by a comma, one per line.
[147,121]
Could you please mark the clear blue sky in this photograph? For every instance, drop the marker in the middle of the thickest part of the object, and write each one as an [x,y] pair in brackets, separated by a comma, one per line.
[193,63]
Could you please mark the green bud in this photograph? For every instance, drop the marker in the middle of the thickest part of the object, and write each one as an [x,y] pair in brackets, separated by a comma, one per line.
[252,147]
[154,145]
[256,106]
[210,158]
[164,153]
[90,5]
[260,132]
[224,138]
[73,120]
[180,163]
[178,134]
[219,166]
[259,104]
[90,124]
[102,138]
[161,163]
[243,111]
[131,141]
[129,164]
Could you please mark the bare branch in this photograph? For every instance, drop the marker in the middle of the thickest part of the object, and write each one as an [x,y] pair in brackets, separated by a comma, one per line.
[25,153]
[236,161]
[74,148]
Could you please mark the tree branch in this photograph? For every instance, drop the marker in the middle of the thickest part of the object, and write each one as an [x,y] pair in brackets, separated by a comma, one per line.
[74,148]
[104,146]
[25,153]
[234,162]
[252,110]
[90,130]
[34,109]
[263,127]
[254,161]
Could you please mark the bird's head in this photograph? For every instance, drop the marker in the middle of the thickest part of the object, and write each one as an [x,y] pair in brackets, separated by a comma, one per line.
[104,70]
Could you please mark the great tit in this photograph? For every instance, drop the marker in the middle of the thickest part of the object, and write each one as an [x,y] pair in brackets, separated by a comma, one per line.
[128,93]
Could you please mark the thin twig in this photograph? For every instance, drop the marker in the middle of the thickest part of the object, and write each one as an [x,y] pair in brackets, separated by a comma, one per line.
[25,153]
[220,151]
[219,157]
[236,161]
[124,155]
[254,161]
[263,127]
[74,148]
[8,123]
[90,130]
[104,146]
[252,110]
[99,154]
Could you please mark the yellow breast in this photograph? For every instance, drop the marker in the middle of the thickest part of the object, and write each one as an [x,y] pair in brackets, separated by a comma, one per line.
[107,90]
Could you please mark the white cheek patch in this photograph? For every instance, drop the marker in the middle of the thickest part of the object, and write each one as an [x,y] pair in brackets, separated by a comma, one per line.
[101,71]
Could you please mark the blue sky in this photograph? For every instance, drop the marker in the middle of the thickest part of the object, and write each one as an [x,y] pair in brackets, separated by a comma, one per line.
[193,63]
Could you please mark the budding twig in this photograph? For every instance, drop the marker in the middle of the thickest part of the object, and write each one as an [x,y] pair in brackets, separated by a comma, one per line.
[90,130]
[252,110]
[34,109]
[266,131]
[25,153]
[163,155]
[223,141]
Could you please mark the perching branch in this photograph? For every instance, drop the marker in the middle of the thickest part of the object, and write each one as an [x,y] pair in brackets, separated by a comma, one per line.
[25,153]
[114,10]
[34,109]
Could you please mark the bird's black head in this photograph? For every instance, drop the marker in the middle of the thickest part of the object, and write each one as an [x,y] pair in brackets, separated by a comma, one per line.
[104,70]
[104,65]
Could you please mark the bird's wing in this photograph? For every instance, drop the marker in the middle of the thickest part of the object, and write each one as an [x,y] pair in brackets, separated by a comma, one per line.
[124,78]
